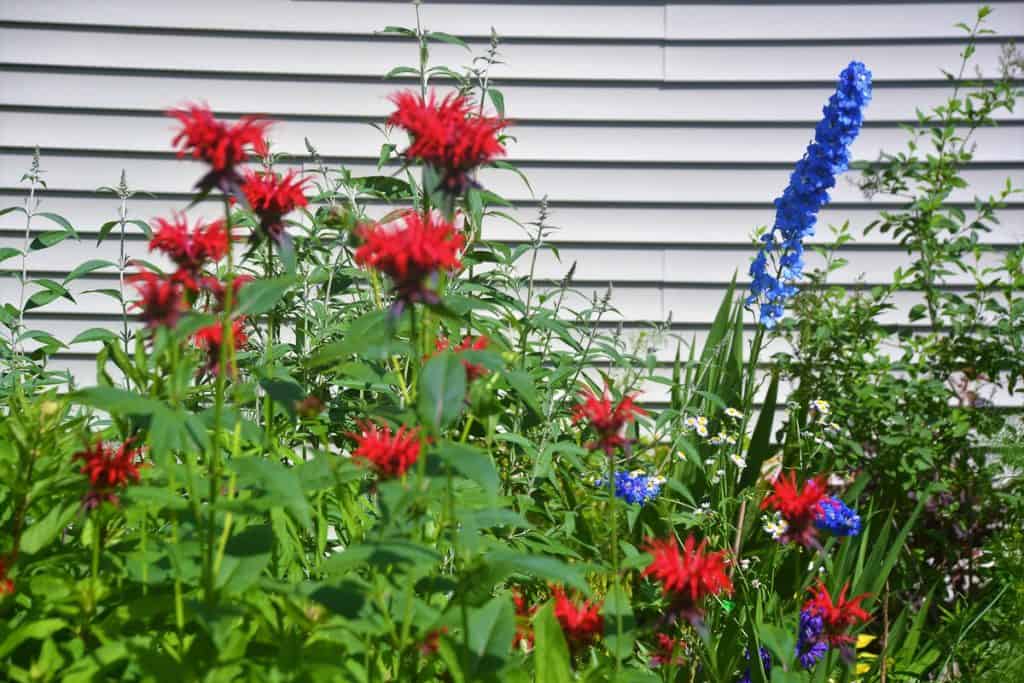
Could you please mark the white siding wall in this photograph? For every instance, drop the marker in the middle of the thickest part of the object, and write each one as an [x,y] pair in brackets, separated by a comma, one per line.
[660,131]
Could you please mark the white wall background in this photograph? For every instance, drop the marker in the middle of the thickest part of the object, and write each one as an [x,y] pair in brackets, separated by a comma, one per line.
[661,131]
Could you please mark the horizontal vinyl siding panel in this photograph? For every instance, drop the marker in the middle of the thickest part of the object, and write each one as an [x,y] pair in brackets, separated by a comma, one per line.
[779,20]
[577,102]
[624,20]
[542,61]
[296,55]
[603,225]
[583,182]
[811,62]
[565,142]
[560,20]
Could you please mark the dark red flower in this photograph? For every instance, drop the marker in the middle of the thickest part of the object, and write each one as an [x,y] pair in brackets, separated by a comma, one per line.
[524,613]
[162,299]
[799,507]
[411,253]
[221,145]
[432,642]
[6,584]
[689,576]
[108,469]
[217,289]
[390,454]
[272,196]
[581,623]
[473,370]
[309,407]
[607,420]
[190,249]
[669,651]
[210,338]
[838,616]
[447,135]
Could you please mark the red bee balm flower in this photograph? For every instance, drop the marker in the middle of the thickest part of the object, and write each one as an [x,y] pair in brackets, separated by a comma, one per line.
[271,197]
[606,420]
[190,249]
[669,651]
[108,469]
[687,577]
[162,299]
[210,338]
[6,585]
[446,135]
[219,144]
[799,507]
[219,291]
[411,253]
[524,612]
[473,370]
[838,616]
[581,624]
[390,454]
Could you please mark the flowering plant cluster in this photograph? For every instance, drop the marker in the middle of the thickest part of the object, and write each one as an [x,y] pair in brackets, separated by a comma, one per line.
[335,441]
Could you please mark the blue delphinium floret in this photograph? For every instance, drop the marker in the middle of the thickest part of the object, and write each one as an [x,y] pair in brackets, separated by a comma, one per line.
[811,646]
[766,662]
[781,259]
[635,486]
[837,518]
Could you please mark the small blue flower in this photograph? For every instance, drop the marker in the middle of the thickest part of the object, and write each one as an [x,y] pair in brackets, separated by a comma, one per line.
[635,487]
[766,662]
[837,518]
[781,258]
[810,645]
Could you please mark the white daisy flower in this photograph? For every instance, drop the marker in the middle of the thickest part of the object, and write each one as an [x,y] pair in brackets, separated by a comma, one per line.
[738,460]
[733,413]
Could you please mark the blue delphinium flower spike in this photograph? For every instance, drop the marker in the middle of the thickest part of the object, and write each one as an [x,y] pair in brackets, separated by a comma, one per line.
[780,261]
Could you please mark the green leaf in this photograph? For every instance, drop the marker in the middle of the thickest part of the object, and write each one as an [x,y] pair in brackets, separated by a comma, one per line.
[442,391]
[94,334]
[246,555]
[48,239]
[447,38]
[471,463]
[42,532]
[551,653]
[345,599]
[260,296]
[33,630]
[89,267]
[523,385]
[498,99]
[277,482]
[61,221]
[547,568]
[116,401]
[8,252]
[169,431]
[491,630]
[760,441]
[366,332]
[616,607]
[155,498]
[286,392]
